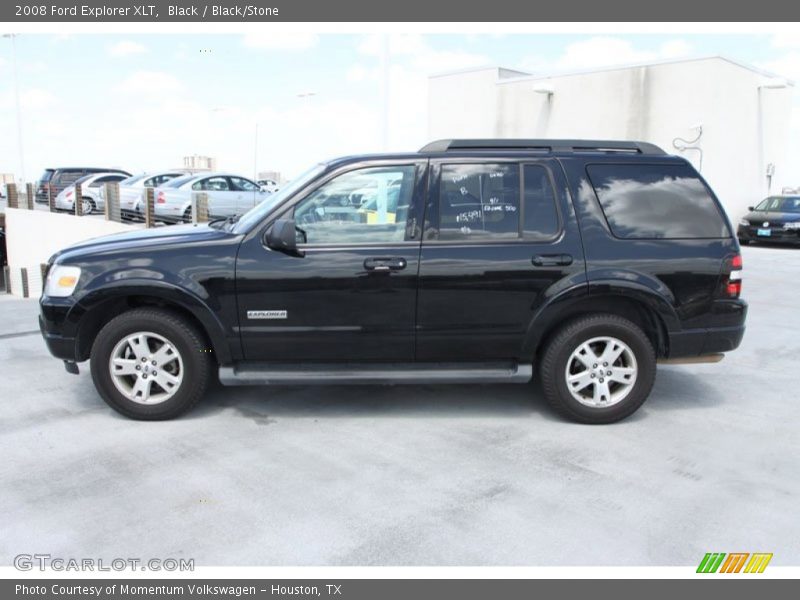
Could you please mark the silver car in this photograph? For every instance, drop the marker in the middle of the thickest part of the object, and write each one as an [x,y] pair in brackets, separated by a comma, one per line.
[92,192]
[131,190]
[228,195]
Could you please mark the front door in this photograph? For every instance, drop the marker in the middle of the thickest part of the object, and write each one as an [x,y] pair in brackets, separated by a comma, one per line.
[499,238]
[352,295]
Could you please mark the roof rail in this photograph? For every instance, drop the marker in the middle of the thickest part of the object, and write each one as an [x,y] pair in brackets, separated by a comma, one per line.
[543,146]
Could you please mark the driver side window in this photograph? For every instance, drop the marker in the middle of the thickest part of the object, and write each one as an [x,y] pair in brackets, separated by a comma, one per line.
[363,206]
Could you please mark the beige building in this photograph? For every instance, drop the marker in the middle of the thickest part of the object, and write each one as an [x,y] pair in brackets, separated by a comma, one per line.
[730,120]
[196,162]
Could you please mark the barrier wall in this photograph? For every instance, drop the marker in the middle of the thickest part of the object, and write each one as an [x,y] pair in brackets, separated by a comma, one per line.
[33,236]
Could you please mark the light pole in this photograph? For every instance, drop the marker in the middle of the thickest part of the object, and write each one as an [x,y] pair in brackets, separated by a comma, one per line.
[306,97]
[12,37]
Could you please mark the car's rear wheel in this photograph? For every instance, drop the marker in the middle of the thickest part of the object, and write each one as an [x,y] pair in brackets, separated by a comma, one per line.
[187,215]
[88,206]
[598,369]
[150,364]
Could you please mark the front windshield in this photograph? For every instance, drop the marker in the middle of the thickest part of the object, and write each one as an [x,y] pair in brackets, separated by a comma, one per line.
[253,216]
[786,204]
[132,180]
[178,181]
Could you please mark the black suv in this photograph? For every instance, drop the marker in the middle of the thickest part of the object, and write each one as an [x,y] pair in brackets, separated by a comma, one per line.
[579,264]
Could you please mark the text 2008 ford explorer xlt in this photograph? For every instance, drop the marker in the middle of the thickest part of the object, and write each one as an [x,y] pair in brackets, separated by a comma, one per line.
[576,263]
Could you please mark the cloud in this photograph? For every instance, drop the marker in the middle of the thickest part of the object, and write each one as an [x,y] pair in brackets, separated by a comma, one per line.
[420,54]
[605,51]
[785,40]
[126,48]
[281,41]
[30,99]
[149,84]
[787,66]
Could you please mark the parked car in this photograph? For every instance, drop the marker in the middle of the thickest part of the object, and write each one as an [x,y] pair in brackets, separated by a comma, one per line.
[269,185]
[774,219]
[577,263]
[92,192]
[58,179]
[228,195]
[131,190]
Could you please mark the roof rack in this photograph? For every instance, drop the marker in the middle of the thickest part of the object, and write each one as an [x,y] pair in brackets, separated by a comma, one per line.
[543,146]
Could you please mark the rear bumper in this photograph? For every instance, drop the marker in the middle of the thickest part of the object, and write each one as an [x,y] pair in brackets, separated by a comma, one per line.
[727,328]
[697,342]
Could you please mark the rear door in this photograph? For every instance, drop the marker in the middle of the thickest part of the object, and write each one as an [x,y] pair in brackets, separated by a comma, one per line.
[500,236]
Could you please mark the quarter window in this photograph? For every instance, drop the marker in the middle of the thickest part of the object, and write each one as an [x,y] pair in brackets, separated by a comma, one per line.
[656,202]
[364,206]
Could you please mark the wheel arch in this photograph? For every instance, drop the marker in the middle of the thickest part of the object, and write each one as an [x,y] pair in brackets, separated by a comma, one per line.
[650,312]
[103,305]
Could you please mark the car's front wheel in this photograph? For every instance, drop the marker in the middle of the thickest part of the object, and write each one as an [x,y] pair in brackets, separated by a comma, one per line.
[598,369]
[150,364]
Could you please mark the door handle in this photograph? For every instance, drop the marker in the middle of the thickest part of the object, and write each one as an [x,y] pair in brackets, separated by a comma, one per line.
[552,260]
[385,264]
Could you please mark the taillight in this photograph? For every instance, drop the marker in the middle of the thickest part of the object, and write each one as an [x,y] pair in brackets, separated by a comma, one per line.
[161,199]
[69,193]
[733,285]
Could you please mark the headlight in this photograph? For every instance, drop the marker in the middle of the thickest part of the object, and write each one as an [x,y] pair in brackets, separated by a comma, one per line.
[61,281]
[793,225]
[744,223]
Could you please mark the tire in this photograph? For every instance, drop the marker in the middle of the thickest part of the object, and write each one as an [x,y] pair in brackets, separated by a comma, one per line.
[183,369]
[744,242]
[88,206]
[577,351]
[187,215]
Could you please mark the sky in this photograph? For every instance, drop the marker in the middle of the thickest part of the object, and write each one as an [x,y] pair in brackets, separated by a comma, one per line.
[142,102]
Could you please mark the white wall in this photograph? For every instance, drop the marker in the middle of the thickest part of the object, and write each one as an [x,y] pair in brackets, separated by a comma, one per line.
[33,236]
[654,103]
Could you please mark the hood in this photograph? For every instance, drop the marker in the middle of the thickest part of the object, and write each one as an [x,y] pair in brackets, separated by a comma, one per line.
[140,239]
[757,218]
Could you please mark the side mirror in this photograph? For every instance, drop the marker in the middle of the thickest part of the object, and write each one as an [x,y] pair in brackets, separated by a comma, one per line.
[750,208]
[282,236]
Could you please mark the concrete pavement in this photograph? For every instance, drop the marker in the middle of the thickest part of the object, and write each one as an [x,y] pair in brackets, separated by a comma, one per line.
[419,475]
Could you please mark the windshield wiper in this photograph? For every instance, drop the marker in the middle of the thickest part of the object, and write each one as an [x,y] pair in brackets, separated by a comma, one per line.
[230,220]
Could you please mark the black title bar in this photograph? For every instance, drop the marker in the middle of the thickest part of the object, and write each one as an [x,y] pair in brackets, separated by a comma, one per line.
[397,11]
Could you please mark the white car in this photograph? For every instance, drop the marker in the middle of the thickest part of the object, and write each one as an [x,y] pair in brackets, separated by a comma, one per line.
[131,190]
[228,195]
[270,185]
[92,192]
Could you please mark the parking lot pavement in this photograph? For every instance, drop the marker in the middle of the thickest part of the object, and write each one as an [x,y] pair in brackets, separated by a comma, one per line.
[420,475]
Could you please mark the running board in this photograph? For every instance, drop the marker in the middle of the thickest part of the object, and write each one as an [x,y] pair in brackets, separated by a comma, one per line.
[254,373]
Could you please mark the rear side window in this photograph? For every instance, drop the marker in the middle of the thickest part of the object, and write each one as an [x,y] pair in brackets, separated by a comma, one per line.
[497,202]
[540,217]
[656,202]
[479,202]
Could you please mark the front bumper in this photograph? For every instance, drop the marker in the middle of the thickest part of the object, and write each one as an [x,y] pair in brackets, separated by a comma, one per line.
[778,235]
[58,332]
